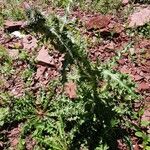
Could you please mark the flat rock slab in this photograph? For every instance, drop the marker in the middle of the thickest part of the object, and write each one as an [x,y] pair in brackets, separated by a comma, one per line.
[139,17]
[44,57]
[13,53]
[13,25]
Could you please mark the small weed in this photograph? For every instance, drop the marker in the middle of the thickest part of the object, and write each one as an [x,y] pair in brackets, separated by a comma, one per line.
[1,21]
[143,31]
[5,61]
[1,15]
[12,10]
[3,113]
[106,6]
[27,74]
[145,138]
[23,55]
[103,6]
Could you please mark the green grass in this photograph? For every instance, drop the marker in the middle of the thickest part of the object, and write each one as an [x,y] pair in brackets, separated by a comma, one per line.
[102,6]
[12,10]
[105,6]
[6,61]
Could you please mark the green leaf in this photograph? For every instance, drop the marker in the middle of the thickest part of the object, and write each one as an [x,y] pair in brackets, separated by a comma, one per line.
[139,134]
[3,113]
[116,78]
[145,123]
[147,148]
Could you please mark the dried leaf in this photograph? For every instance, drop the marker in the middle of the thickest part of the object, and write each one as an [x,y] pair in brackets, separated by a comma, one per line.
[30,143]
[26,6]
[70,89]
[125,2]
[136,147]
[118,28]
[98,22]
[110,46]
[122,61]
[1,144]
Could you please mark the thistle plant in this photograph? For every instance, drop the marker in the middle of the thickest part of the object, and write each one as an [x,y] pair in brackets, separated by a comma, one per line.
[101,114]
